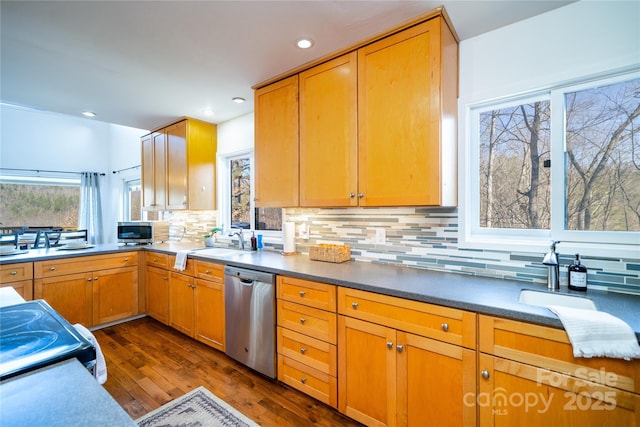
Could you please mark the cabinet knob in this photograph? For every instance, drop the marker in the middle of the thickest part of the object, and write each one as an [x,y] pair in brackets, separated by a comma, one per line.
[302,293]
[207,272]
[13,273]
[126,260]
[485,374]
[165,278]
[445,327]
[352,195]
[360,195]
[88,279]
[399,347]
[354,305]
[303,350]
[303,380]
[389,344]
[155,260]
[52,269]
[302,320]
[95,278]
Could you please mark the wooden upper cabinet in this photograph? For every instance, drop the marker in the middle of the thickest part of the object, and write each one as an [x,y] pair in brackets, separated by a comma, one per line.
[178,166]
[407,89]
[276,144]
[328,133]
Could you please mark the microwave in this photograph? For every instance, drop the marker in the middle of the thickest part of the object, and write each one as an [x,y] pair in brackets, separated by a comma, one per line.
[143,232]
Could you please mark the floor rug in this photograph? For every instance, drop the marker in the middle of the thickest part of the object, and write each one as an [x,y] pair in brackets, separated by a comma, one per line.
[199,407]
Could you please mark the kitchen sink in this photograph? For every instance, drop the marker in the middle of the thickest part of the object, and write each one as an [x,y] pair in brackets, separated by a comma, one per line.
[220,252]
[543,299]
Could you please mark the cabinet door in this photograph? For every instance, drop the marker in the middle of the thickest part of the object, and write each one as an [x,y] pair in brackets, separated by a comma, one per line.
[366,371]
[398,117]
[276,144]
[158,294]
[209,313]
[202,145]
[516,394]
[434,379]
[115,294]
[69,295]
[177,165]
[181,309]
[159,171]
[328,133]
[148,184]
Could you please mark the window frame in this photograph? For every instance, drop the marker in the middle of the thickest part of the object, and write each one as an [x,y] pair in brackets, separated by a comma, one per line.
[472,236]
[224,193]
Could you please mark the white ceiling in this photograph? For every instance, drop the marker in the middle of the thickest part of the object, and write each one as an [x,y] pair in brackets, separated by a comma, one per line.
[146,63]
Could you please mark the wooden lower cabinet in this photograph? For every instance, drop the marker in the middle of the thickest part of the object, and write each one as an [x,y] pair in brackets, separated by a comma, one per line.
[196,305]
[388,377]
[527,375]
[20,277]
[90,296]
[158,294]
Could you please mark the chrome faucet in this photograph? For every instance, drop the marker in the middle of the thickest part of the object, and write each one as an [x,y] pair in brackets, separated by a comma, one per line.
[240,238]
[553,268]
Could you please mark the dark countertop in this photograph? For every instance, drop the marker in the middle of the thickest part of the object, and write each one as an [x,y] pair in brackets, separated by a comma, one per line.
[491,296]
[64,394]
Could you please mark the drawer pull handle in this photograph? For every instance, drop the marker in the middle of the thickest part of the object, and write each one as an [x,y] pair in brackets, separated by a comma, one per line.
[303,350]
[13,273]
[155,260]
[52,269]
[389,344]
[302,320]
[445,327]
[354,305]
[303,380]
[126,260]
[485,374]
[302,293]
[399,347]
[207,272]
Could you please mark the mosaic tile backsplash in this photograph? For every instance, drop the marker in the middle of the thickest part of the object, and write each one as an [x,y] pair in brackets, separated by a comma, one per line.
[420,238]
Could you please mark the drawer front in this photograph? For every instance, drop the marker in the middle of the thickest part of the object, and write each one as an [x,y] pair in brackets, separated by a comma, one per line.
[308,380]
[550,348]
[83,264]
[314,353]
[313,294]
[209,271]
[16,272]
[24,288]
[441,323]
[189,269]
[159,260]
[309,321]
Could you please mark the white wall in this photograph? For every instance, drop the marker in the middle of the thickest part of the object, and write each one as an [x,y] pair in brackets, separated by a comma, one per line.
[236,135]
[31,139]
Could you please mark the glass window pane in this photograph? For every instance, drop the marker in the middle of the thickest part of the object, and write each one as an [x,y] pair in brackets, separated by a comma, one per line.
[241,193]
[514,179]
[133,209]
[40,205]
[602,172]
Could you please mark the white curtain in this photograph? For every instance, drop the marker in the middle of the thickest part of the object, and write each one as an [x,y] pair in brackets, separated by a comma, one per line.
[90,207]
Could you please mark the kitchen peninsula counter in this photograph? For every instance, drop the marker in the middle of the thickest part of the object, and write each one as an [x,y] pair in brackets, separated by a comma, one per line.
[483,295]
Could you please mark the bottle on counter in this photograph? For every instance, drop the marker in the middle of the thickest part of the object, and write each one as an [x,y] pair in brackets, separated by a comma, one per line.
[254,242]
[577,275]
[260,245]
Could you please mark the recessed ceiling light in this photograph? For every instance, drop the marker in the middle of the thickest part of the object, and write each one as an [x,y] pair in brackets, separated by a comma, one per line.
[304,43]
[88,114]
[238,100]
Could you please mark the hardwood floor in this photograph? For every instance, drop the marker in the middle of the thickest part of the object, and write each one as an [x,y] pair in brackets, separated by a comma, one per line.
[150,364]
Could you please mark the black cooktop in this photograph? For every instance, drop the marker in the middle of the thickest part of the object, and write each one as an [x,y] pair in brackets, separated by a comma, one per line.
[33,335]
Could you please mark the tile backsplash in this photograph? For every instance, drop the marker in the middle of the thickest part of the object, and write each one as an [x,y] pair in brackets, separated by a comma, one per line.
[418,238]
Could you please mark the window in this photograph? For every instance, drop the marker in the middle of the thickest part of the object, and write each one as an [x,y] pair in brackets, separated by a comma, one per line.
[562,165]
[133,200]
[237,208]
[39,201]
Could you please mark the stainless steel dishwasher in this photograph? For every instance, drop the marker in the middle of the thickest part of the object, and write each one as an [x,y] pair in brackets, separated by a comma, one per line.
[249,307]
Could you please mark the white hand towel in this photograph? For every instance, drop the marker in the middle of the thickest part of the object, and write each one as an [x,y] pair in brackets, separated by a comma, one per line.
[181,260]
[100,371]
[597,334]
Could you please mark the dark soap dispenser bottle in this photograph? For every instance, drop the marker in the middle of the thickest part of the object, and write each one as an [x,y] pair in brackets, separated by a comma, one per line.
[254,244]
[577,275]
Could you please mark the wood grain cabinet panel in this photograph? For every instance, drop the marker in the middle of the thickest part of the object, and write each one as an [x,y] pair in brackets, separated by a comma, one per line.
[307,292]
[527,375]
[20,277]
[276,144]
[158,294]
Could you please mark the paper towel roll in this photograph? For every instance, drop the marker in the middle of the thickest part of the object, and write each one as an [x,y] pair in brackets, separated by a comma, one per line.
[289,238]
